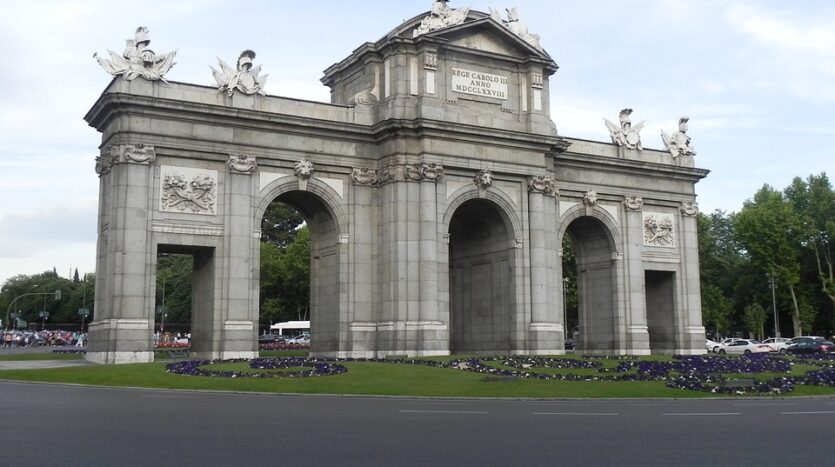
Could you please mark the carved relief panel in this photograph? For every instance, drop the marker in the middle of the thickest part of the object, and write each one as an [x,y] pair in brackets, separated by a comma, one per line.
[188,190]
[658,230]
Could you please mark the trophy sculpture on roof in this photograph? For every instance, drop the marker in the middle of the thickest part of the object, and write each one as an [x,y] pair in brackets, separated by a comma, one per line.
[679,143]
[441,16]
[626,135]
[138,59]
[246,78]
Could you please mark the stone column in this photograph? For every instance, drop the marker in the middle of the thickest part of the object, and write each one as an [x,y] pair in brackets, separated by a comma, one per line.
[124,321]
[637,332]
[546,326]
[690,333]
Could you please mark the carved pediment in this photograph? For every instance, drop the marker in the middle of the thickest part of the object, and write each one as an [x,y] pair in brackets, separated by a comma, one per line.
[488,36]
[485,42]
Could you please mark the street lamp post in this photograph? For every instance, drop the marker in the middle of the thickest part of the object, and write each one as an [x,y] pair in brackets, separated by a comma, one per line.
[774,304]
[565,281]
[84,313]
[57,295]
[161,309]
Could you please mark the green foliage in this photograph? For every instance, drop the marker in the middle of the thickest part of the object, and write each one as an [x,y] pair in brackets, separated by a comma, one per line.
[813,200]
[755,317]
[74,295]
[717,309]
[285,279]
[174,277]
[280,224]
[569,273]
[772,234]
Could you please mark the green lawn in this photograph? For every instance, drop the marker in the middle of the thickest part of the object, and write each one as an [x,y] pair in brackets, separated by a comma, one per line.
[40,356]
[378,378]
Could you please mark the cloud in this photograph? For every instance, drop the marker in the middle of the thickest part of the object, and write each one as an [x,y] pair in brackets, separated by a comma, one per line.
[791,51]
[784,30]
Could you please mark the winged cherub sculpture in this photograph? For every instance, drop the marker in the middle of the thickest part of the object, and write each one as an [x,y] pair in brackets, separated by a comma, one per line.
[245,78]
[626,135]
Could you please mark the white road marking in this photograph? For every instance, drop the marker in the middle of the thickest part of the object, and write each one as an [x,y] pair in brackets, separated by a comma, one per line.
[441,411]
[808,413]
[764,404]
[700,414]
[577,413]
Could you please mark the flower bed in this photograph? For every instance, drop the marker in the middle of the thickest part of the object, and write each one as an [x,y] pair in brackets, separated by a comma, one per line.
[694,373]
[282,346]
[307,367]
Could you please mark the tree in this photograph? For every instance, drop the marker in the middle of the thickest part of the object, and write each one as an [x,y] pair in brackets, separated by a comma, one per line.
[755,317]
[716,309]
[285,279]
[814,202]
[280,224]
[174,278]
[770,230]
[723,271]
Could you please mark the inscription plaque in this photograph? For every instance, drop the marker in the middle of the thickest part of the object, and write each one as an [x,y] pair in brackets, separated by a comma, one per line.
[479,84]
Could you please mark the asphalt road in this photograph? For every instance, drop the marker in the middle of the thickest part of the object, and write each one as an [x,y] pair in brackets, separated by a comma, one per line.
[71,425]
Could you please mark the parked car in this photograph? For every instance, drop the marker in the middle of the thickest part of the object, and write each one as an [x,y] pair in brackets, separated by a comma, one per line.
[710,345]
[810,346]
[795,340]
[303,339]
[744,346]
[266,338]
[779,344]
[723,343]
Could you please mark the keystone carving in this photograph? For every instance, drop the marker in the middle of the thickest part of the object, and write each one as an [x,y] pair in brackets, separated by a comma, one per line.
[483,179]
[304,168]
[590,198]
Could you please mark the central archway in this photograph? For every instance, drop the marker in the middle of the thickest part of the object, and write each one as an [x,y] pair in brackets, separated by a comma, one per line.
[324,267]
[482,283]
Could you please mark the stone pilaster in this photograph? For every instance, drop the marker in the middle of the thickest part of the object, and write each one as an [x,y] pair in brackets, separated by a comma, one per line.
[690,332]
[236,337]
[121,332]
[637,332]
[364,301]
[547,335]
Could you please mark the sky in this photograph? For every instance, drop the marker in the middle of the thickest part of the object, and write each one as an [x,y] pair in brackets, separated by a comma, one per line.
[756,78]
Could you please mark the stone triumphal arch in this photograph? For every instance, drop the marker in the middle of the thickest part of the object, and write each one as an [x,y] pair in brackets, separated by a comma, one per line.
[437,190]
